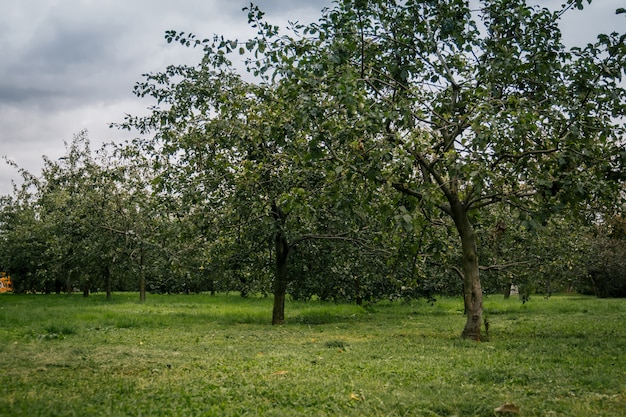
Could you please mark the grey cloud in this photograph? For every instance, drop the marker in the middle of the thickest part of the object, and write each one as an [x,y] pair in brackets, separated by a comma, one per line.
[11,94]
[67,65]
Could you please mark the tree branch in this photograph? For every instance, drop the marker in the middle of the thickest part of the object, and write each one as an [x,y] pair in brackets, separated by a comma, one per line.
[503,266]
[341,236]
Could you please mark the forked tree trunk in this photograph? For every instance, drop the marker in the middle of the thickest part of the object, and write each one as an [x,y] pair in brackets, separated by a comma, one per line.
[472,291]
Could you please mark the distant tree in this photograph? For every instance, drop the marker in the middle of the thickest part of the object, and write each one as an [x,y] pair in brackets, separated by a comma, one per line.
[85,218]
[536,258]
[606,260]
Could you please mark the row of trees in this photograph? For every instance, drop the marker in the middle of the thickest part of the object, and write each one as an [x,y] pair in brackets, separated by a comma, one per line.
[95,222]
[349,157]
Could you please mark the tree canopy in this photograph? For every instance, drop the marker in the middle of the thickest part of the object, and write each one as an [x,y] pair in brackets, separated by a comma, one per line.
[460,107]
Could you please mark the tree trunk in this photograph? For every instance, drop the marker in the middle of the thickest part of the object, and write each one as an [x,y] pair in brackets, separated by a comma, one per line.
[142,279]
[507,289]
[357,291]
[68,283]
[282,253]
[472,292]
[107,280]
[212,286]
[86,288]
[280,281]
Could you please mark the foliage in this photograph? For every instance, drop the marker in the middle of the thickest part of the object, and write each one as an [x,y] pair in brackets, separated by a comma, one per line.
[83,223]
[536,258]
[373,154]
[236,160]
[607,261]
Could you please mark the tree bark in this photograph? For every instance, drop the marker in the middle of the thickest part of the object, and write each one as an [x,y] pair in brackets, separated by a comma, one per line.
[472,291]
[107,280]
[68,282]
[357,291]
[507,289]
[86,288]
[280,280]
[212,286]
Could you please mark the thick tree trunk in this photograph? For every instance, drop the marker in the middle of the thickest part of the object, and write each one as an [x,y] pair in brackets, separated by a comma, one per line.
[472,291]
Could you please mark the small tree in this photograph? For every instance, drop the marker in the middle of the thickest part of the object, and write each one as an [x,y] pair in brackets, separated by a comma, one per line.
[242,164]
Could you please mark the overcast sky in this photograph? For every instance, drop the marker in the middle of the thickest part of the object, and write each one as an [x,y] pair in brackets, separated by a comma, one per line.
[69,65]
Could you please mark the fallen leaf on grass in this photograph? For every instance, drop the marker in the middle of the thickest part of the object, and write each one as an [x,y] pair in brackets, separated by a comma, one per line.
[355,397]
[507,408]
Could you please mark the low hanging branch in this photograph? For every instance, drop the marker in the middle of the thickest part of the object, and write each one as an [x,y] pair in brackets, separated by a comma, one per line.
[497,267]
[341,236]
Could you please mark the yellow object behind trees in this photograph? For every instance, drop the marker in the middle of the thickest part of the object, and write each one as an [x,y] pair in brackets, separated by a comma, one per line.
[5,283]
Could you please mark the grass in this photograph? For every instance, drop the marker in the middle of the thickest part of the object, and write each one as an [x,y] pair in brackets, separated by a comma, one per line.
[196,355]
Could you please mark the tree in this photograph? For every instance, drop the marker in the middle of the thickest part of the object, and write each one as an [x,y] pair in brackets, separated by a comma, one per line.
[464,109]
[536,258]
[461,108]
[49,223]
[84,219]
[233,158]
[606,264]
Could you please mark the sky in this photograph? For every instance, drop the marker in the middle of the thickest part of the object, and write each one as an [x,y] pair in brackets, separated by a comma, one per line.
[70,65]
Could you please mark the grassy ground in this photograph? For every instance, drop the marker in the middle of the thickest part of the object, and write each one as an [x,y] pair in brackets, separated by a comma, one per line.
[198,355]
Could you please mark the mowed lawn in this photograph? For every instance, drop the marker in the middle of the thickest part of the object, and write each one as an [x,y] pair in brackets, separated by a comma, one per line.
[197,355]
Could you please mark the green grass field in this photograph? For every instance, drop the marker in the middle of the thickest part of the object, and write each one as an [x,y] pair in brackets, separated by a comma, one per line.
[196,355]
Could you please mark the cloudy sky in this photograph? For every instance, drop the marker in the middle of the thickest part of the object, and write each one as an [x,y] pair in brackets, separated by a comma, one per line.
[69,65]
